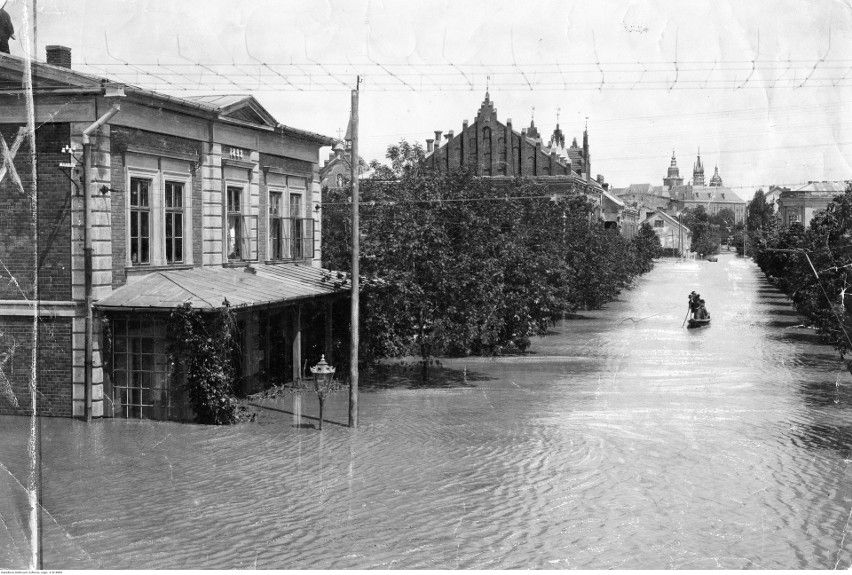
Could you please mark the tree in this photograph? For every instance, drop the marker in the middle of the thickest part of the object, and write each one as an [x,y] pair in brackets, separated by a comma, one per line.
[812,265]
[454,264]
[705,235]
[647,245]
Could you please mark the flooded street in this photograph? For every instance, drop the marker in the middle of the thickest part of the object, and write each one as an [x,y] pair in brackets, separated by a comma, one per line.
[623,441]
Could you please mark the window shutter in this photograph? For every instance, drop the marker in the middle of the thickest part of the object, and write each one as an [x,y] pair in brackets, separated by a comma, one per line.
[245,238]
[309,238]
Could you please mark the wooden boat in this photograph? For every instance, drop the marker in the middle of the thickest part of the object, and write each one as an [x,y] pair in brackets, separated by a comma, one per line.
[698,322]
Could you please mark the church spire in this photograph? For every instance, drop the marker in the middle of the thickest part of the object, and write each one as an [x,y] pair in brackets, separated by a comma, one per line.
[698,171]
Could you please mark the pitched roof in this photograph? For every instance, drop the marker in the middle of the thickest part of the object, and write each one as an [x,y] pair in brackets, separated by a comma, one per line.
[666,217]
[830,187]
[614,199]
[240,107]
[209,287]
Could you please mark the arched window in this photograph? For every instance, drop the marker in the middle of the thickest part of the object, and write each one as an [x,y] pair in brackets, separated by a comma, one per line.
[486,151]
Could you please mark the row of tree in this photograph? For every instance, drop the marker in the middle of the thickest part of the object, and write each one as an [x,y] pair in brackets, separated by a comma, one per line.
[810,265]
[453,264]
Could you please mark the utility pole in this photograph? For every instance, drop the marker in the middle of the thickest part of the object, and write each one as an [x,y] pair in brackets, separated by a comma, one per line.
[353,349]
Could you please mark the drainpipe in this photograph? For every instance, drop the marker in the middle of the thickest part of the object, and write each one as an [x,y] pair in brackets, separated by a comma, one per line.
[87,251]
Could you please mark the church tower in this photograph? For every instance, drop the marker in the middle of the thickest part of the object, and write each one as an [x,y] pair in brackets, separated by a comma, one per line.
[673,179]
[698,171]
[716,180]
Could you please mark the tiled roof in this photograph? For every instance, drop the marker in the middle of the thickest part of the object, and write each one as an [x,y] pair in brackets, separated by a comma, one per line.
[209,287]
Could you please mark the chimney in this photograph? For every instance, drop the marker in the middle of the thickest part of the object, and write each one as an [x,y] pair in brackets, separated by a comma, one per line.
[59,56]
[429,144]
[438,138]
[449,135]
[464,126]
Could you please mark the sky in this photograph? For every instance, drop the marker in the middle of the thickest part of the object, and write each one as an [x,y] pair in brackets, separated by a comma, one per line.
[763,88]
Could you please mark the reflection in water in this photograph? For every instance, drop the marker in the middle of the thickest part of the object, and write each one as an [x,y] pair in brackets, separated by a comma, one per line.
[623,441]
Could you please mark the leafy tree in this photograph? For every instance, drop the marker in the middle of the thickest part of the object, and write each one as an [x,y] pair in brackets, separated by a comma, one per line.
[705,235]
[647,245]
[454,264]
[812,265]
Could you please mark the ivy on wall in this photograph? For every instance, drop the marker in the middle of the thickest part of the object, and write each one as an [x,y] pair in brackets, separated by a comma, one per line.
[200,345]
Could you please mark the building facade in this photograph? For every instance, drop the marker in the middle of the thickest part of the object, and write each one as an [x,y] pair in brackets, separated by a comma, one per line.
[493,149]
[800,205]
[126,205]
[675,238]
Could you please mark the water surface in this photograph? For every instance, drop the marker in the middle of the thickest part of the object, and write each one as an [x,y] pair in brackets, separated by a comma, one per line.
[623,441]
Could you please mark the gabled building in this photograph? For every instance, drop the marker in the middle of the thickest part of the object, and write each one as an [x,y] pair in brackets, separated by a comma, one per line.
[495,149]
[675,237]
[137,203]
[337,169]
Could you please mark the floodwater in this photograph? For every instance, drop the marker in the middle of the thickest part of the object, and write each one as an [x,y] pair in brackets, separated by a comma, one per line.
[623,441]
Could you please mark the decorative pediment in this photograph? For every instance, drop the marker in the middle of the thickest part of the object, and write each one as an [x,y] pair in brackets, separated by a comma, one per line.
[240,107]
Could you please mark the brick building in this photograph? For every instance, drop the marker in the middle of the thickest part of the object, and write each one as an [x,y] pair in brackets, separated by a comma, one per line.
[495,150]
[128,203]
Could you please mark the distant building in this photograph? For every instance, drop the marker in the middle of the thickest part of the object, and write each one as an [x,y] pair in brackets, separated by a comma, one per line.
[773,195]
[337,170]
[801,204]
[673,196]
[675,237]
[494,149]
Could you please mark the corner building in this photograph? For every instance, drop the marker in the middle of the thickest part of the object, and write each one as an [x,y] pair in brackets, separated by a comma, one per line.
[132,203]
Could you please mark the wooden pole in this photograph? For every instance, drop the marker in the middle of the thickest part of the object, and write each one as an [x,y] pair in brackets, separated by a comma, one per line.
[353,353]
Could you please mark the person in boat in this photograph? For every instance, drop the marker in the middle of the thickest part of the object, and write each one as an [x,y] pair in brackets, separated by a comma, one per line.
[693,304]
[702,312]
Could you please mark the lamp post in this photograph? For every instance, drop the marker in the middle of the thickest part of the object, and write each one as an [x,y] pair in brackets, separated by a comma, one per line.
[323,383]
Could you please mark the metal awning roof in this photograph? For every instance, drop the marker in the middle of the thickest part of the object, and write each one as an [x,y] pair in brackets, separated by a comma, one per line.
[209,287]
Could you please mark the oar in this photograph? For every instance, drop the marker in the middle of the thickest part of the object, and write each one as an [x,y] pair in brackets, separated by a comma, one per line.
[684,319]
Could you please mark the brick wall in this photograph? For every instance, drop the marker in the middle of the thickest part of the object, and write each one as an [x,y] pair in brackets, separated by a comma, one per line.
[18,231]
[53,366]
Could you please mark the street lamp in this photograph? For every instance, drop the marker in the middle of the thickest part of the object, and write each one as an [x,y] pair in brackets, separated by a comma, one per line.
[323,383]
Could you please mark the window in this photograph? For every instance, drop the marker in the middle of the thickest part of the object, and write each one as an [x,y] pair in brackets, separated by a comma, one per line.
[792,217]
[276,237]
[158,213]
[140,371]
[297,225]
[235,237]
[486,151]
[291,234]
[658,223]
[140,221]
[241,228]
[174,222]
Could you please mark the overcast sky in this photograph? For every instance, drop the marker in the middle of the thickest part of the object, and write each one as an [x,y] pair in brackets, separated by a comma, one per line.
[764,88]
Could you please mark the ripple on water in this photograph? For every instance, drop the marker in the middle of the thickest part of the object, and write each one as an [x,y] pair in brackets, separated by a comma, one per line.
[622,441]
